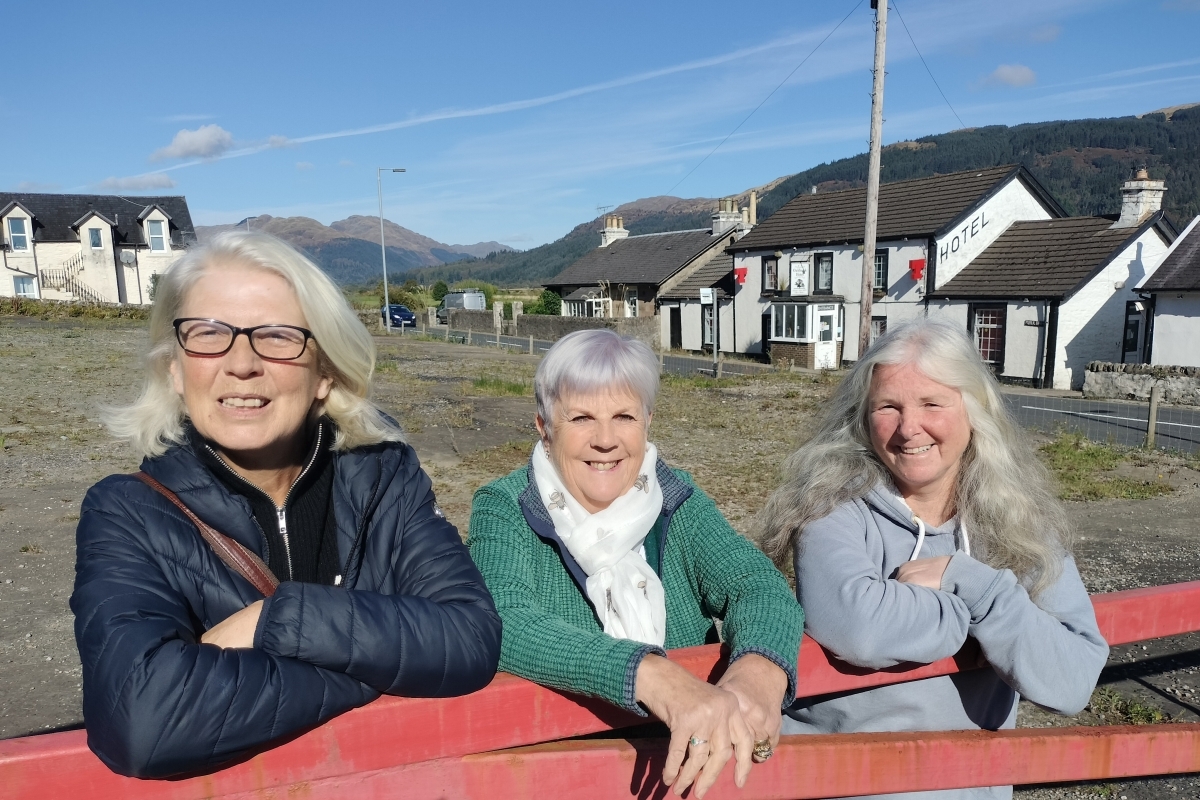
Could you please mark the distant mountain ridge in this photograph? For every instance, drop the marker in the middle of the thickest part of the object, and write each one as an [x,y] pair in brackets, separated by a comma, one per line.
[348,249]
[1082,163]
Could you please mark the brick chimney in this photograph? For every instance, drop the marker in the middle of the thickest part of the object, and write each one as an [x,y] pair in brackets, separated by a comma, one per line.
[614,230]
[1140,197]
[727,217]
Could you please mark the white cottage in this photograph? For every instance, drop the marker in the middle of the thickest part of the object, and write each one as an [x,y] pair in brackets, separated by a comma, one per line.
[95,248]
[798,273]
[1049,296]
[1171,295]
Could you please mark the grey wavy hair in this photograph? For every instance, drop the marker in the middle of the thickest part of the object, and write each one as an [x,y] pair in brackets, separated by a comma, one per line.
[1003,493]
[591,361]
[345,351]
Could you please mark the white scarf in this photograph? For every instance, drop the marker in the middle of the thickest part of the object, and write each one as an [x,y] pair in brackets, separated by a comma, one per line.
[626,593]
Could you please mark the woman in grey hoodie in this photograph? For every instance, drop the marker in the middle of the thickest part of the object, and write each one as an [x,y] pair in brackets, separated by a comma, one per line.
[915,517]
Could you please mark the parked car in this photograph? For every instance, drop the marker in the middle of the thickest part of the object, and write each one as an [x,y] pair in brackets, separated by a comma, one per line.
[401,316]
[468,299]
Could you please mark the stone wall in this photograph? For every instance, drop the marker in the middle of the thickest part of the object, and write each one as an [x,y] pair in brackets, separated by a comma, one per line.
[462,319]
[799,354]
[549,328]
[1181,385]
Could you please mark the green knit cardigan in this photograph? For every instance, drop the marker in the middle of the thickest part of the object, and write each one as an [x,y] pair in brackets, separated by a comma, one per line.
[551,633]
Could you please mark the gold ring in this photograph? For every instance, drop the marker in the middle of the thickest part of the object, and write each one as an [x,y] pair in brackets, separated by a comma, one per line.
[762,751]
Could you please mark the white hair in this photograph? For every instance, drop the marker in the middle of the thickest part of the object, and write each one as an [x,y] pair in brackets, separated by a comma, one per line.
[595,360]
[344,348]
[1003,493]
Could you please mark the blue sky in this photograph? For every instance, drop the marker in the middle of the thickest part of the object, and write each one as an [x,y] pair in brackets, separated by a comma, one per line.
[515,121]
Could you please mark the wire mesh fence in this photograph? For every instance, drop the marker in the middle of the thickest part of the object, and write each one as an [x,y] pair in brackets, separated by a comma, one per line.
[1115,422]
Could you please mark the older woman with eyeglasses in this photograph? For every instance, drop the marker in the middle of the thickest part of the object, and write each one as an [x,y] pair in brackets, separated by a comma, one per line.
[601,557]
[266,471]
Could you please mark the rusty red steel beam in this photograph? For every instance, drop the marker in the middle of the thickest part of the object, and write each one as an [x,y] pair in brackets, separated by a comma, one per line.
[510,712]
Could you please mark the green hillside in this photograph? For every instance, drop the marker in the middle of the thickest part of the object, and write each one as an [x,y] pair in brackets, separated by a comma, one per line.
[1081,162]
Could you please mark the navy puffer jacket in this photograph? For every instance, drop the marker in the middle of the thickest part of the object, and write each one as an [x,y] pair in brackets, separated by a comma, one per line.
[411,617]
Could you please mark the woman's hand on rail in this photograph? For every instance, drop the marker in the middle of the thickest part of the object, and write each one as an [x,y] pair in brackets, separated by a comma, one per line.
[236,630]
[759,686]
[925,572]
[695,712]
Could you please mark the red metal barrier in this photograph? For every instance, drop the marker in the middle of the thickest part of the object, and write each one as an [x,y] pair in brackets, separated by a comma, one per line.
[510,712]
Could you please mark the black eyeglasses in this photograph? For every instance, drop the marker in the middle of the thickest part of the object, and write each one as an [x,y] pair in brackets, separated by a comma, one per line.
[211,337]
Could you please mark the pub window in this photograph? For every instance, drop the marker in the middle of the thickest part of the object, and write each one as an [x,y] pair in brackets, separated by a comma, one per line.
[881,270]
[823,264]
[94,238]
[158,239]
[770,275]
[18,236]
[789,321]
[987,329]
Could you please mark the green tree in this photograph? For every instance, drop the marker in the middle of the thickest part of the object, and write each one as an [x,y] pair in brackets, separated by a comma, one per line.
[439,290]
[548,303]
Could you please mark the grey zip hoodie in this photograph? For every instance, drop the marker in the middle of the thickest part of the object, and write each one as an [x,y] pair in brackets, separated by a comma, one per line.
[1050,652]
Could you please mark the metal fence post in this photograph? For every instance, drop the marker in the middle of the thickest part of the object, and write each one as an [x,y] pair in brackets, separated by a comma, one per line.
[1152,420]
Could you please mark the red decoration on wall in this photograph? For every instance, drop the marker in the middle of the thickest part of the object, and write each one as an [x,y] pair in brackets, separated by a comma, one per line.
[739,275]
[916,268]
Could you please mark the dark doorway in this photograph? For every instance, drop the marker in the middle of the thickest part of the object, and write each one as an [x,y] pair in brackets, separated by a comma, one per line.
[676,329]
[766,336]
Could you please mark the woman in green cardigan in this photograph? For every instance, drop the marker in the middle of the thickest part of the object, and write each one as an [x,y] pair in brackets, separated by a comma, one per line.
[600,557]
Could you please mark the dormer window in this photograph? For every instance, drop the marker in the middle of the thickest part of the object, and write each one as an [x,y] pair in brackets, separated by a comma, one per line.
[156,232]
[94,238]
[18,233]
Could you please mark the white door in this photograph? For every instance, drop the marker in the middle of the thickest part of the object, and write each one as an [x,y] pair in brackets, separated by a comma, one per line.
[825,348]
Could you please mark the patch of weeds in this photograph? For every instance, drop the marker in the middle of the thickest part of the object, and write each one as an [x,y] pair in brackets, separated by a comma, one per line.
[1117,710]
[72,335]
[32,549]
[459,415]
[499,460]
[387,366]
[1080,466]
[499,387]
[699,381]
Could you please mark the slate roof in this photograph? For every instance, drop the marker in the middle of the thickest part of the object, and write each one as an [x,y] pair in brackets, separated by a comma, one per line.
[707,276]
[53,215]
[1180,270]
[1043,258]
[651,258]
[918,208]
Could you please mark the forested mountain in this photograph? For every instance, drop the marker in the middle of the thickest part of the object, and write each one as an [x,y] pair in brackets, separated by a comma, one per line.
[1081,162]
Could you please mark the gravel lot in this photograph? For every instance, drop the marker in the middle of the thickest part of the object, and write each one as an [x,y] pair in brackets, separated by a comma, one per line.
[55,377]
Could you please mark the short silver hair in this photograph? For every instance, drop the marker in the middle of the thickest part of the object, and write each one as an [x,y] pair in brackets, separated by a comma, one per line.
[595,360]
[1004,495]
[345,350]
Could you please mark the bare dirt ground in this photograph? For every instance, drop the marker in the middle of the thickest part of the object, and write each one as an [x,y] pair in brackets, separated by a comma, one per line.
[469,414]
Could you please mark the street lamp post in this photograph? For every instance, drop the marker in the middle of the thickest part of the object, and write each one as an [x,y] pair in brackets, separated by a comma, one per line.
[387,303]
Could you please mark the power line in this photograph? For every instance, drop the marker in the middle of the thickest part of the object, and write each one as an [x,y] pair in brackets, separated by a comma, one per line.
[765,99]
[927,69]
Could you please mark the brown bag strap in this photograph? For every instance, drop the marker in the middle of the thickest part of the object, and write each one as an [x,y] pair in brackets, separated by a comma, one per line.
[235,555]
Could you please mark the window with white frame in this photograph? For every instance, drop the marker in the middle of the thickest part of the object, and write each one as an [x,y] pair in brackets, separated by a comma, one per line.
[789,322]
[156,230]
[823,266]
[631,301]
[18,233]
[881,270]
[25,287]
[574,308]
[706,322]
[94,238]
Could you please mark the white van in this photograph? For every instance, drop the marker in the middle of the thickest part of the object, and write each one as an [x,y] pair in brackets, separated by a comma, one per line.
[468,299]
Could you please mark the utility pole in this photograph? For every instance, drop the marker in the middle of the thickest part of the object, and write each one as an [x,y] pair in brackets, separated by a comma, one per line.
[387,302]
[868,267]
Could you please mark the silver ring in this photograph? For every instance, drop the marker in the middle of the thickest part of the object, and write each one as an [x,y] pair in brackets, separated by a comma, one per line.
[694,742]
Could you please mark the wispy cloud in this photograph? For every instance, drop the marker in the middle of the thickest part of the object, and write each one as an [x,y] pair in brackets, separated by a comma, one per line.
[1181,5]
[1011,75]
[37,186]
[136,183]
[1045,33]
[207,141]
[304,165]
